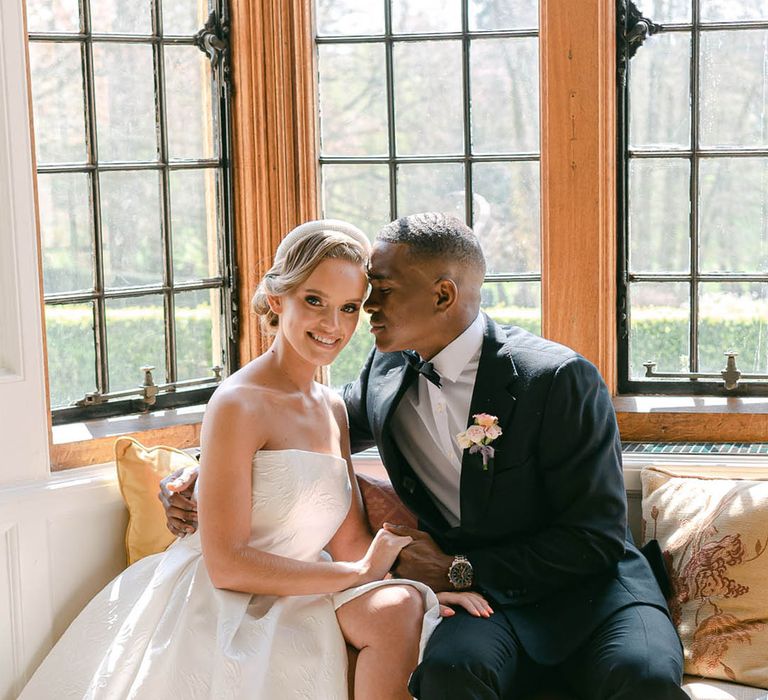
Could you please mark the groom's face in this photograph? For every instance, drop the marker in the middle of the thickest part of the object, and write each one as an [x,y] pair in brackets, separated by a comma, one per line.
[402,300]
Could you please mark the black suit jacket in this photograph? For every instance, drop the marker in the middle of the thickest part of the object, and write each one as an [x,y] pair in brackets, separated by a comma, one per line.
[545,527]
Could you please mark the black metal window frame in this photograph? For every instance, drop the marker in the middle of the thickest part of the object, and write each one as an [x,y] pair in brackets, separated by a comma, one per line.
[467,157]
[631,34]
[212,39]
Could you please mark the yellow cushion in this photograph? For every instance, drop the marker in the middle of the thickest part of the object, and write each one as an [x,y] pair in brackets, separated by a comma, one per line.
[139,471]
[712,525]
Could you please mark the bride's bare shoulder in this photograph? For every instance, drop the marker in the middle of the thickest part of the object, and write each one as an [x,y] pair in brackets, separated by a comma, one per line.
[247,390]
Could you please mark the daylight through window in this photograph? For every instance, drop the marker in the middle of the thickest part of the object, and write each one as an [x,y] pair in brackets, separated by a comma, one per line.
[428,105]
[133,187]
[695,283]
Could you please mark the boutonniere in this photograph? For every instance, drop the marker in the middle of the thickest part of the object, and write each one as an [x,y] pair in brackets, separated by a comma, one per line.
[478,437]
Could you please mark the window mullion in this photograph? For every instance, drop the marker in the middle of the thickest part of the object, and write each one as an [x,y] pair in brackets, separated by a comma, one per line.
[467,104]
[225,215]
[165,194]
[391,126]
[92,150]
[693,359]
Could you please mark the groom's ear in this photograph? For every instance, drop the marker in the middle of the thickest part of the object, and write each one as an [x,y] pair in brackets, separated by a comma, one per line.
[446,294]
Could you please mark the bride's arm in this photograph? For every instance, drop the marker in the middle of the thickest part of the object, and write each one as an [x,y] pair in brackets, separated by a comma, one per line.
[353,537]
[230,439]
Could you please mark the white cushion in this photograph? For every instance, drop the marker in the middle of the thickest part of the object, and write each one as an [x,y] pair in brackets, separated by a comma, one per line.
[707,689]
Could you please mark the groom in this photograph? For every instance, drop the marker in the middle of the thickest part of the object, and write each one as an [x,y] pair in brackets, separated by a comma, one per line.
[539,527]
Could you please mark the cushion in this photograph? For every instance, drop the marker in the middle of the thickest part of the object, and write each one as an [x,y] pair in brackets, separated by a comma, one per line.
[382,504]
[712,526]
[706,689]
[139,471]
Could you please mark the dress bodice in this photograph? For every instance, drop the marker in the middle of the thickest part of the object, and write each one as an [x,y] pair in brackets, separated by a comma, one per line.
[299,500]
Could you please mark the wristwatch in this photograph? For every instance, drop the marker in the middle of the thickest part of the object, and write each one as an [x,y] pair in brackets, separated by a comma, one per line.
[460,573]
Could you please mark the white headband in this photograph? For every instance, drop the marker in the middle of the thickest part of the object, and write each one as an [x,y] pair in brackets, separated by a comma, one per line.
[311,227]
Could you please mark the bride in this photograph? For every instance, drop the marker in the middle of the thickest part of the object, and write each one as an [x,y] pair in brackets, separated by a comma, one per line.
[283,572]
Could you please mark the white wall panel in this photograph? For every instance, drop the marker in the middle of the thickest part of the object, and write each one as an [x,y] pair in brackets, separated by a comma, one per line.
[23,405]
[87,538]
[11,640]
[61,541]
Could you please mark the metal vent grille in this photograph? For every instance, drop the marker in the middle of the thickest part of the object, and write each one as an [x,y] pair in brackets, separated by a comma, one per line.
[707,448]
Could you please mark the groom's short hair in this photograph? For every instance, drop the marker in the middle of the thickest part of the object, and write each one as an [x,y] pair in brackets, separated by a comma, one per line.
[434,235]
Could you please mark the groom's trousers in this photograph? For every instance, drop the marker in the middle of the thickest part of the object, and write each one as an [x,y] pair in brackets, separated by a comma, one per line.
[633,655]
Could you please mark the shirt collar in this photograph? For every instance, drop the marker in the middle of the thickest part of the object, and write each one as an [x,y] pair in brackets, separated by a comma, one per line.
[454,357]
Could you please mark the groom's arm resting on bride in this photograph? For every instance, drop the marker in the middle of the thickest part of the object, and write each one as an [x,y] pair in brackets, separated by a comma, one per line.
[231,438]
[556,515]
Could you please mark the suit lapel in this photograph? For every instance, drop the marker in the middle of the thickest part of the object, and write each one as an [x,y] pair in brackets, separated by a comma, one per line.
[492,394]
[388,389]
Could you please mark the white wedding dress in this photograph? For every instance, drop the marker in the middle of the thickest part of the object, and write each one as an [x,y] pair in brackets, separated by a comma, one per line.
[161,630]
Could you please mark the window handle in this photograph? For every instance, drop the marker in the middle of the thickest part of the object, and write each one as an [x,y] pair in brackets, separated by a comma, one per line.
[731,375]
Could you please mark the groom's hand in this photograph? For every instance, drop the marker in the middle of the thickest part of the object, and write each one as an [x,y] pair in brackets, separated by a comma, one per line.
[422,560]
[176,495]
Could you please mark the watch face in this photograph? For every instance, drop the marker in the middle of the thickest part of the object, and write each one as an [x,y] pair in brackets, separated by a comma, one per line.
[461,574]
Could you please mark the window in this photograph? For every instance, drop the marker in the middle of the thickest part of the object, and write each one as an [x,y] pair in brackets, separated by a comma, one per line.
[434,106]
[131,129]
[694,283]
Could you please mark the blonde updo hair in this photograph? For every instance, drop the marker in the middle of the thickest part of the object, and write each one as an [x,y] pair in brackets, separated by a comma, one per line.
[297,256]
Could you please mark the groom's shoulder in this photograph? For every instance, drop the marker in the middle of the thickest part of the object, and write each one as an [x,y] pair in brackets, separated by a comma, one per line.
[533,354]
[383,362]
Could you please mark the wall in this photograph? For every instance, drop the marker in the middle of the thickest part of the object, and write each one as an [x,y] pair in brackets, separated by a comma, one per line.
[23,409]
[61,541]
[58,537]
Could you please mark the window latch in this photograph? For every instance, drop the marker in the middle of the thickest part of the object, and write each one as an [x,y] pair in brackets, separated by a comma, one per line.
[632,29]
[213,39]
[730,375]
[147,392]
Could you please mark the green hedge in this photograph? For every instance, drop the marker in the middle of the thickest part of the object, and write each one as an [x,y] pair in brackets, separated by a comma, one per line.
[136,338]
[665,342]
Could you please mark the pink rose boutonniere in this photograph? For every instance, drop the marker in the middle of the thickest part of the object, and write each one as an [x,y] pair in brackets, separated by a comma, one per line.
[478,437]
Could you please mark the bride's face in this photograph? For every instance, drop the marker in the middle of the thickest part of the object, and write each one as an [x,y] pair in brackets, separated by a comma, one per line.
[319,316]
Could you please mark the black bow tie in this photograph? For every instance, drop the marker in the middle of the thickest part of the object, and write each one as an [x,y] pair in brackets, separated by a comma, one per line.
[423,367]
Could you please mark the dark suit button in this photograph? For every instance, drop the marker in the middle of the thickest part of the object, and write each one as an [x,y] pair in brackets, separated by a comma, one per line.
[409,484]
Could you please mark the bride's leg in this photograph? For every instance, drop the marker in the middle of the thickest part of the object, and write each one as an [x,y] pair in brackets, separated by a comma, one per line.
[352,654]
[385,626]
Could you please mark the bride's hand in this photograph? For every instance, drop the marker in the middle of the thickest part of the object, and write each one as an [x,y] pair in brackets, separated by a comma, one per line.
[471,601]
[381,555]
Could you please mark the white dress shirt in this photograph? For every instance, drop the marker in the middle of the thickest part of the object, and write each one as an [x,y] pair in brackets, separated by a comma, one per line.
[428,418]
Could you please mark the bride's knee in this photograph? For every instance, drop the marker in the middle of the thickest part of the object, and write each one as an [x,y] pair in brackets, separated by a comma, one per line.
[399,610]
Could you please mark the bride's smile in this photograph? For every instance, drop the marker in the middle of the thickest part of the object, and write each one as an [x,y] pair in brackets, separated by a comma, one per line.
[319,316]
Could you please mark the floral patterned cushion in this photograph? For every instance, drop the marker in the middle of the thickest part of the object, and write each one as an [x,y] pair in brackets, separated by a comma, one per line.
[382,504]
[712,526]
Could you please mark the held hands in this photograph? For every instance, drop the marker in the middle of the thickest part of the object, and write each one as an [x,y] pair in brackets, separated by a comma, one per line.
[176,496]
[381,555]
[422,560]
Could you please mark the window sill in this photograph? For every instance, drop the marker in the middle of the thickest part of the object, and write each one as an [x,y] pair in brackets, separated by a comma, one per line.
[692,418]
[641,418]
[92,442]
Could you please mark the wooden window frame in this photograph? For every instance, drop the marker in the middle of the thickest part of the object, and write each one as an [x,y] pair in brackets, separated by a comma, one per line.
[276,187]
[579,227]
